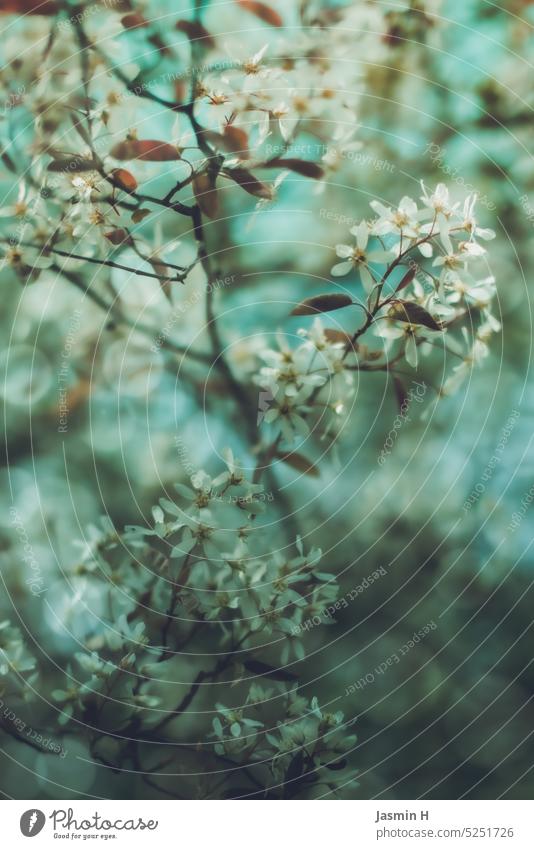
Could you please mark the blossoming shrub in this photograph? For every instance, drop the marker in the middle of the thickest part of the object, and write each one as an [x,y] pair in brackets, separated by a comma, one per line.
[134,137]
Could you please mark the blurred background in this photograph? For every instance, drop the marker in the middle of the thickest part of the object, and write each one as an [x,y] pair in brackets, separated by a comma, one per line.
[442,93]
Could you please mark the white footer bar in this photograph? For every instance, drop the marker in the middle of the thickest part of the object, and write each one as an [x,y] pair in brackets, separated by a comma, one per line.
[260,825]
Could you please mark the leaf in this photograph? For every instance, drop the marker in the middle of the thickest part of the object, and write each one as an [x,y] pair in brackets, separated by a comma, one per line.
[300,463]
[407,279]
[134,20]
[322,303]
[148,150]
[119,236]
[164,275]
[235,140]
[206,194]
[299,166]
[258,667]
[180,90]
[160,268]
[250,183]
[158,43]
[294,769]
[125,179]
[30,7]
[195,31]
[72,165]
[335,765]
[338,336]
[232,140]
[262,11]
[400,392]
[413,314]
[8,162]
[139,214]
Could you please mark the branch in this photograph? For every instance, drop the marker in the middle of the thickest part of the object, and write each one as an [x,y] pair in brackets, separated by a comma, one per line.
[47,249]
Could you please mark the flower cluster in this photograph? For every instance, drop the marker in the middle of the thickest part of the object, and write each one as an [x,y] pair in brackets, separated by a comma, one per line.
[88,161]
[306,753]
[18,675]
[209,562]
[134,163]
[318,371]
[426,286]
[14,656]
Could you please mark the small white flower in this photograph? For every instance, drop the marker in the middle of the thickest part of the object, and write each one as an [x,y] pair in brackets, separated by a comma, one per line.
[438,202]
[285,119]
[411,334]
[469,221]
[461,286]
[359,257]
[288,413]
[404,220]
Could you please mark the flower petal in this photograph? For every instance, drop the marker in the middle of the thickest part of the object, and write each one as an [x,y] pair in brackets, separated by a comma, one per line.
[341,268]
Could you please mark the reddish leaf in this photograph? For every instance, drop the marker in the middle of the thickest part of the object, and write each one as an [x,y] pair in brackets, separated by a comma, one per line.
[232,140]
[195,31]
[235,140]
[125,179]
[322,303]
[206,194]
[400,392]
[413,313]
[299,166]
[180,90]
[120,236]
[163,273]
[262,11]
[299,463]
[134,20]
[8,162]
[159,44]
[30,7]
[148,150]
[340,337]
[139,214]
[250,183]
[71,165]
[407,279]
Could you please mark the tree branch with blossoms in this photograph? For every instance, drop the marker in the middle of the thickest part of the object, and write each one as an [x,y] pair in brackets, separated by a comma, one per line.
[200,607]
[408,307]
